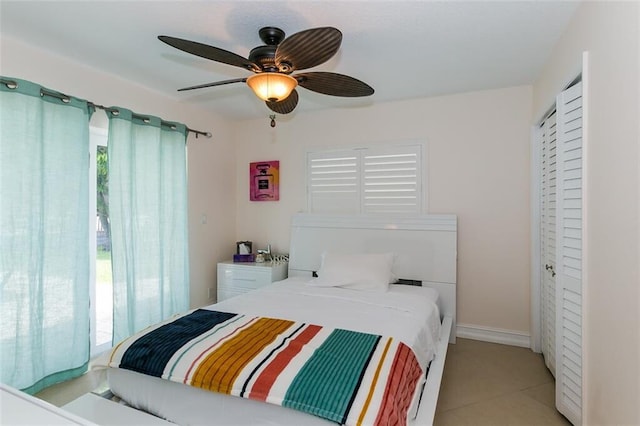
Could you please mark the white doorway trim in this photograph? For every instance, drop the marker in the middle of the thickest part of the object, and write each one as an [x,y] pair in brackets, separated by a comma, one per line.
[536,306]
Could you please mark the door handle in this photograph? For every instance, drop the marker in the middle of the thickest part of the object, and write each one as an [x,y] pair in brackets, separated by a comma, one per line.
[550,268]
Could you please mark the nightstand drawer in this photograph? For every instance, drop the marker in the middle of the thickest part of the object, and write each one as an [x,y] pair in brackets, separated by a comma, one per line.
[227,294]
[250,279]
[238,278]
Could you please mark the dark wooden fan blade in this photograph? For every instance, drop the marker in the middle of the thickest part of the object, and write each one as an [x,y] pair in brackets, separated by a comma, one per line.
[308,48]
[216,83]
[329,83]
[285,106]
[209,52]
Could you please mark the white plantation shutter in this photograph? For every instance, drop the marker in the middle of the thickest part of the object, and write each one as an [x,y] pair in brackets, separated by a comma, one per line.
[569,254]
[333,181]
[392,180]
[385,179]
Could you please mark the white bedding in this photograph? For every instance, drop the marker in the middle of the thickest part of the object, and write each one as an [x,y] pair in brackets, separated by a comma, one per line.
[405,312]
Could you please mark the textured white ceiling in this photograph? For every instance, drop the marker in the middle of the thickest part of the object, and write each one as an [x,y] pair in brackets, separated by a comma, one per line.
[403,49]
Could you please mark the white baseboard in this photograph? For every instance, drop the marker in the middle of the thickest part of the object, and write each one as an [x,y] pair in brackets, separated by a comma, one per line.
[493,335]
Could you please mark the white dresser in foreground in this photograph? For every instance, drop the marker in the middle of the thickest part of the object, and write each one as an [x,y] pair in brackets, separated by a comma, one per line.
[240,277]
[18,408]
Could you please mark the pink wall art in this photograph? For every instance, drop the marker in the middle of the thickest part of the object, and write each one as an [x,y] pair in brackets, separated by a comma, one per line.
[264,181]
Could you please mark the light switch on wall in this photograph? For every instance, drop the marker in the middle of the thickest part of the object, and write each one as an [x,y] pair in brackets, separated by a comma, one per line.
[203,219]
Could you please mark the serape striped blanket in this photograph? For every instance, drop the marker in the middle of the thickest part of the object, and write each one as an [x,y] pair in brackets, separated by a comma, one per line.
[345,376]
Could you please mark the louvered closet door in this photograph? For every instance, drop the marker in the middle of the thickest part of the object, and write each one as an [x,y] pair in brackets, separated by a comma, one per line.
[548,242]
[569,254]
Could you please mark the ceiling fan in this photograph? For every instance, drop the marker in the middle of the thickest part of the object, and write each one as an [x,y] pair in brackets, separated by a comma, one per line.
[274,63]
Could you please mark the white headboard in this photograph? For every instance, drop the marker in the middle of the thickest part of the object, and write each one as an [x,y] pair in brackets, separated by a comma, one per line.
[425,247]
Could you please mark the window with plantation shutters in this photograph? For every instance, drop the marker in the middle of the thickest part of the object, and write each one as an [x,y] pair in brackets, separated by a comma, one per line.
[381,179]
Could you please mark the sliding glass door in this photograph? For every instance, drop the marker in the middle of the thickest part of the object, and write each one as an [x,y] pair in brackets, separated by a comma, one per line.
[100,245]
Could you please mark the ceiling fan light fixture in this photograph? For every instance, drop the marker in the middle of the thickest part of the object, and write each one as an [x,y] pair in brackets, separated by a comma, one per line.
[272,86]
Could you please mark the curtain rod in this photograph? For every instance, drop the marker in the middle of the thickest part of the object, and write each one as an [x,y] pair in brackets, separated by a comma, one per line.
[65,98]
[115,111]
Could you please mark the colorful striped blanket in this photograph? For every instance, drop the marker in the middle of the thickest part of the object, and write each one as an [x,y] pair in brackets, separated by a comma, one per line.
[345,376]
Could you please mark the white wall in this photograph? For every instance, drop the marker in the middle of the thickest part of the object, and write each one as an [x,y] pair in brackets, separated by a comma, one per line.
[611,328]
[211,164]
[478,168]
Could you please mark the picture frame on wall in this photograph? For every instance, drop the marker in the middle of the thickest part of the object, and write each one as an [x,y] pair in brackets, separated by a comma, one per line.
[264,181]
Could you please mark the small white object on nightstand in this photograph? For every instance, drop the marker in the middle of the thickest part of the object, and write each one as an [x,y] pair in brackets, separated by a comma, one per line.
[236,278]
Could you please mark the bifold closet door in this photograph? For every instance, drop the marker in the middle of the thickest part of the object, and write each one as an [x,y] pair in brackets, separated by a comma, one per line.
[548,241]
[568,268]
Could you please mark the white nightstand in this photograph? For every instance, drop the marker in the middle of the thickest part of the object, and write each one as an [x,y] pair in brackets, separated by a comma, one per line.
[235,278]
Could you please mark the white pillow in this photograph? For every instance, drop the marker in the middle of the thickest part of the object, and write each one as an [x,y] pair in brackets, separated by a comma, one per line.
[371,272]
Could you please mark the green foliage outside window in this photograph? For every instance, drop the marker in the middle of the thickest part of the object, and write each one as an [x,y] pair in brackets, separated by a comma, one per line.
[103,195]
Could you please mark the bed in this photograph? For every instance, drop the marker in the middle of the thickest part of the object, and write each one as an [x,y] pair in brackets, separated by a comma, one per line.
[392,340]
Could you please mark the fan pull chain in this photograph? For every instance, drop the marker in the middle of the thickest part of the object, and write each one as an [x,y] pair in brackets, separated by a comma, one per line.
[273,120]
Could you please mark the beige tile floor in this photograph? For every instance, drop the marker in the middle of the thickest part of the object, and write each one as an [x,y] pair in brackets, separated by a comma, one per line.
[483,384]
[63,393]
[494,385]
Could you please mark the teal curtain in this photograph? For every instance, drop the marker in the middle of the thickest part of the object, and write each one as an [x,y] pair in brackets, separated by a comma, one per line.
[148,213]
[44,235]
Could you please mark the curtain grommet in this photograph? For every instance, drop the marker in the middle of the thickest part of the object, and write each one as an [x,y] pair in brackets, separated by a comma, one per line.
[10,84]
